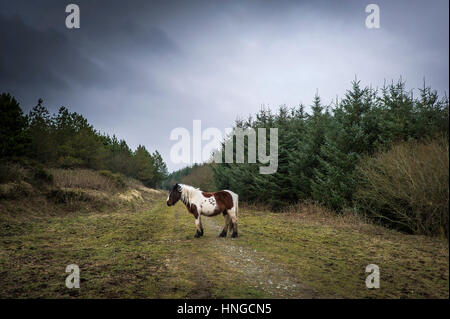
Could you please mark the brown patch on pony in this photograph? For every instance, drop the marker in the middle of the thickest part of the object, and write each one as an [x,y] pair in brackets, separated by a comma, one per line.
[193,210]
[208,195]
[217,211]
[225,199]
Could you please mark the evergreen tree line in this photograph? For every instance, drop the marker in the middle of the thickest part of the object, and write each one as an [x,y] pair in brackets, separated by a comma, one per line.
[318,152]
[67,140]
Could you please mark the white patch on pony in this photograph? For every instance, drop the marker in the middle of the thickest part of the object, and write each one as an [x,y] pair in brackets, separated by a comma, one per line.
[208,205]
[233,212]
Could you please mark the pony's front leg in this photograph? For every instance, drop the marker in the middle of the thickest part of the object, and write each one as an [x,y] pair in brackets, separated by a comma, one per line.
[198,225]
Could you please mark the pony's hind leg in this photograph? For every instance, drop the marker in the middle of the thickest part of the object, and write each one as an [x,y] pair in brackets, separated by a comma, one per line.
[233,216]
[227,225]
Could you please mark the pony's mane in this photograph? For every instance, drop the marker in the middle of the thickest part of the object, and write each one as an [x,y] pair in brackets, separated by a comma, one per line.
[187,193]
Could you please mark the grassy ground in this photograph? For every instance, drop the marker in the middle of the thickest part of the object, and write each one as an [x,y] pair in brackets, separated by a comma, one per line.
[147,250]
[330,254]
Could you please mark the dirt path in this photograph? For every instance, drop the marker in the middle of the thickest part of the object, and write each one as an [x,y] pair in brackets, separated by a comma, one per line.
[255,270]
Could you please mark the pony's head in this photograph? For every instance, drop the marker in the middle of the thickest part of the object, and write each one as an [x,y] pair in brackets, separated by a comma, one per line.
[174,195]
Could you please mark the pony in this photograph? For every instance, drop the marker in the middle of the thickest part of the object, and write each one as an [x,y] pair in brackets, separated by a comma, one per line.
[200,203]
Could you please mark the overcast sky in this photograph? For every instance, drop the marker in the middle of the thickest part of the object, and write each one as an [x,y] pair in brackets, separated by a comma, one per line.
[139,69]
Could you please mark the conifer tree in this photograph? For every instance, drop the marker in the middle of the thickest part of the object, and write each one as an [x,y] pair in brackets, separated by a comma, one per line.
[13,136]
[306,156]
[41,131]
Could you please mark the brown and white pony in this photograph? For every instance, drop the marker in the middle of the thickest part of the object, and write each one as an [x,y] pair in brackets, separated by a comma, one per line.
[201,203]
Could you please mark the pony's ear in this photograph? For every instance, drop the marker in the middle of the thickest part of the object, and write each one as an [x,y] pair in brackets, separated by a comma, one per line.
[178,187]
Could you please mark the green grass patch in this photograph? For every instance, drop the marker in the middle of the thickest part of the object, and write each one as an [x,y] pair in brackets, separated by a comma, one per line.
[332,259]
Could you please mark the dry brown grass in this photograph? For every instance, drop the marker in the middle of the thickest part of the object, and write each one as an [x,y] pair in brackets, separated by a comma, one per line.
[84,179]
[315,214]
[134,183]
[66,190]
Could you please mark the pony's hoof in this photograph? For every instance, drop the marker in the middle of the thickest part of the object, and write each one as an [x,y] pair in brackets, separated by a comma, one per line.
[235,234]
[197,235]
[223,234]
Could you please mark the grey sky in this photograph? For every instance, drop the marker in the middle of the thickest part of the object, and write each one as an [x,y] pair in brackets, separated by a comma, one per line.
[138,69]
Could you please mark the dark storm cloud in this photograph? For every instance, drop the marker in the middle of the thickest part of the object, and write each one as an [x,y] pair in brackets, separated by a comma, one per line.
[141,68]
[30,57]
[46,58]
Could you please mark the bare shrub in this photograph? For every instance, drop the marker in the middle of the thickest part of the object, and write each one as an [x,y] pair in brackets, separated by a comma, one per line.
[202,177]
[15,190]
[133,183]
[407,187]
[11,172]
[116,178]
